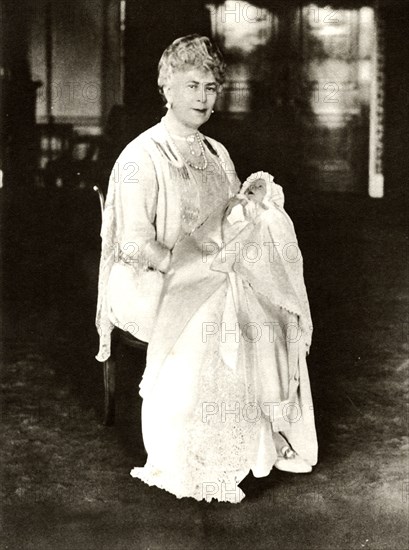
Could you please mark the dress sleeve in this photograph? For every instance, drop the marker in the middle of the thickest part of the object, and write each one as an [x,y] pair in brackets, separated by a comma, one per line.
[137,186]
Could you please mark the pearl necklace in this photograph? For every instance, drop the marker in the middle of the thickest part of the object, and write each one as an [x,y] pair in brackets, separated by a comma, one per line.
[190,141]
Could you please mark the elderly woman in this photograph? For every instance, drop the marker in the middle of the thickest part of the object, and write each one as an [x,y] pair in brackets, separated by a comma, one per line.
[226,388]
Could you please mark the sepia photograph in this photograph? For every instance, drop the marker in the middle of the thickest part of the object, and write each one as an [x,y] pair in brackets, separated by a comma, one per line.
[204,274]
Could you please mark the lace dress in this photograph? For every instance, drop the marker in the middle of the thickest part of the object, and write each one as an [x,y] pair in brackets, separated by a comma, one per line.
[213,389]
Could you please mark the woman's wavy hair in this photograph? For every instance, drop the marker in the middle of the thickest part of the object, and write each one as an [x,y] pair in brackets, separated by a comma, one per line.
[187,52]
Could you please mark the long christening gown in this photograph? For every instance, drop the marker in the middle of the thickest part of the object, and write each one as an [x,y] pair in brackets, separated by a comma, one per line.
[226,362]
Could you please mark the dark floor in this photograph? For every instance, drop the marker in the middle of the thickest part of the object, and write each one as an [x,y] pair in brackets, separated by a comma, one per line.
[66,478]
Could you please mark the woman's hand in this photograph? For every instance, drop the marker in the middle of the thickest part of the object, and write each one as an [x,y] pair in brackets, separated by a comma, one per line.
[158,256]
[234,201]
[164,265]
[253,210]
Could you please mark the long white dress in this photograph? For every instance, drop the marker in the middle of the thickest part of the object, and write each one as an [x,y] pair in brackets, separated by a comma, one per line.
[225,372]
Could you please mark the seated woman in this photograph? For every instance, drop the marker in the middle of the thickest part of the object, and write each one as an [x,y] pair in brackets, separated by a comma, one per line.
[222,395]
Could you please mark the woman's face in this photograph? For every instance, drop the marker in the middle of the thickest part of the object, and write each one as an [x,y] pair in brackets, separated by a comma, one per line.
[192,95]
[256,190]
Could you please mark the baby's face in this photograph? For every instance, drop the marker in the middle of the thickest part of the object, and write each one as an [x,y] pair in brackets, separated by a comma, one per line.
[256,190]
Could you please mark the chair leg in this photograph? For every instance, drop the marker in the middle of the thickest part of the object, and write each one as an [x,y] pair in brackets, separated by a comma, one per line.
[109,387]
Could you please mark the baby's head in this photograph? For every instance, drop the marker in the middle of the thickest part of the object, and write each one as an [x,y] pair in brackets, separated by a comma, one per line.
[256,190]
[261,189]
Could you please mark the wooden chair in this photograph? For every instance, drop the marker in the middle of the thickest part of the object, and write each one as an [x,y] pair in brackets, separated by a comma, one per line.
[118,337]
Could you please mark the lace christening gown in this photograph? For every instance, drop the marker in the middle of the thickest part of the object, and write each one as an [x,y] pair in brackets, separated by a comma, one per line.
[222,375]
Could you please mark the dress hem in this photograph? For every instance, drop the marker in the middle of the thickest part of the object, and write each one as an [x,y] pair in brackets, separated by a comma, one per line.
[153,478]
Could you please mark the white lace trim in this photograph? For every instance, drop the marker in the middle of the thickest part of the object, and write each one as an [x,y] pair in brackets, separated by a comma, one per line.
[221,486]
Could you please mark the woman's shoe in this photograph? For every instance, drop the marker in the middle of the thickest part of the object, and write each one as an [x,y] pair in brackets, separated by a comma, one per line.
[290,461]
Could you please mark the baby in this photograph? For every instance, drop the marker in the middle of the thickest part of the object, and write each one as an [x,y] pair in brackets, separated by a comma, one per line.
[255,221]
[258,193]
